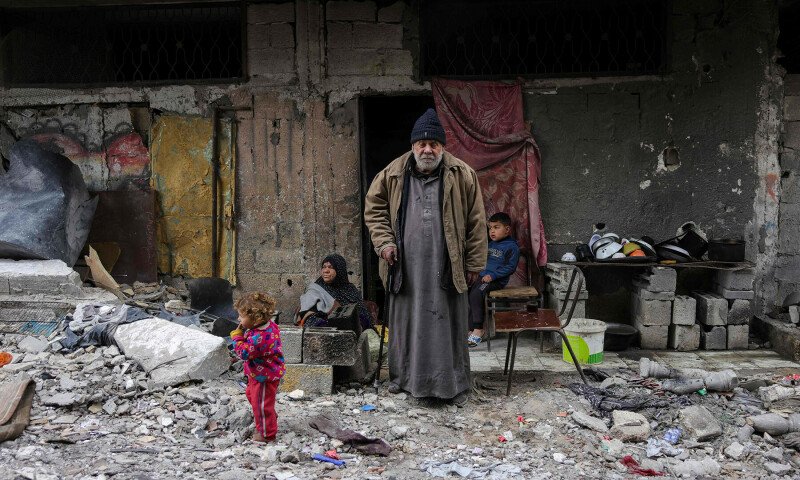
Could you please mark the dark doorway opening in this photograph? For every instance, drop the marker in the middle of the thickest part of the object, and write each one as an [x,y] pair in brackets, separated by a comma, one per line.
[789,37]
[386,124]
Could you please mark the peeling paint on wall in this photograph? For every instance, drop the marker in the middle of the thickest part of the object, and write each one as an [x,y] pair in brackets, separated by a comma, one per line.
[182,175]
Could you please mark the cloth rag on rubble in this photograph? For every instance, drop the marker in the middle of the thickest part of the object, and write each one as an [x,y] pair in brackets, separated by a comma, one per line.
[369,446]
[16,398]
[605,401]
[94,324]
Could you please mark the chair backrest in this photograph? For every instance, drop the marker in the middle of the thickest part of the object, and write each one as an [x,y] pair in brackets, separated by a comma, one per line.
[535,274]
[576,274]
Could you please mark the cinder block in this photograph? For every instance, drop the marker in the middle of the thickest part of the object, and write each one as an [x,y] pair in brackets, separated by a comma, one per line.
[735,294]
[684,311]
[340,34]
[377,35]
[350,10]
[328,346]
[561,292]
[361,368]
[740,312]
[4,288]
[660,279]
[555,304]
[651,312]
[714,338]
[736,279]
[393,13]
[684,337]
[652,337]
[270,61]
[560,273]
[711,309]
[648,295]
[270,13]
[292,342]
[364,61]
[312,379]
[738,337]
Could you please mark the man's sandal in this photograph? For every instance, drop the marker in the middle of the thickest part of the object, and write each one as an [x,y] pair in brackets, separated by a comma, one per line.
[473,340]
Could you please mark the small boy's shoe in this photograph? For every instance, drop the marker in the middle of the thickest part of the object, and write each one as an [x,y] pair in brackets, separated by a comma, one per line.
[473,340]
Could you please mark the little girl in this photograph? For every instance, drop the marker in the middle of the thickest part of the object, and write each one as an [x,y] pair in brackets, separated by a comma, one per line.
[257,341]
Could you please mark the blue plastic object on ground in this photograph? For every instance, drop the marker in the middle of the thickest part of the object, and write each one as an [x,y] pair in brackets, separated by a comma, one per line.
[368,408]
[672,435]
[323,458]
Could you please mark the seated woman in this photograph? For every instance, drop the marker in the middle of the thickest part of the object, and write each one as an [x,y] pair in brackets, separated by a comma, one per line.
[332,288]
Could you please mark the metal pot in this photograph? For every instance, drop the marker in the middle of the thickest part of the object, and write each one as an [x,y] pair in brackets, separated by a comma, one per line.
[726,249]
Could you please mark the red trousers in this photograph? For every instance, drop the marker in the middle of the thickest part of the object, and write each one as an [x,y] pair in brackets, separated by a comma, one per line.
[262,399]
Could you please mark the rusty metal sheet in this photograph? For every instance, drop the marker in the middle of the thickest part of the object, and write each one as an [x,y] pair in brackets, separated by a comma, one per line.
[128,220]
[182,173]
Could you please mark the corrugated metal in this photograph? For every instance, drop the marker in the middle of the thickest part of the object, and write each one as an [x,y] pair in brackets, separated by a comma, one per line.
[182,174]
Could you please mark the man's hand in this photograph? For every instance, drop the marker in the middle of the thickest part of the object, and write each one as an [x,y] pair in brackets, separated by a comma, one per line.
[486,278]
[389,254]
[472,277]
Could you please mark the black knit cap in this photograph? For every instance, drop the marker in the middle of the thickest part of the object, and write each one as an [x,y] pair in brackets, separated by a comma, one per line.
[428,127]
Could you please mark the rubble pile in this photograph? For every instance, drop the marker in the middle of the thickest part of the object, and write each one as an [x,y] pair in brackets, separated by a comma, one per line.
[98,414]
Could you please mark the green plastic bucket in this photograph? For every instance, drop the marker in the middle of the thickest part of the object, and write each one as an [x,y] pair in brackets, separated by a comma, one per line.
[586,338]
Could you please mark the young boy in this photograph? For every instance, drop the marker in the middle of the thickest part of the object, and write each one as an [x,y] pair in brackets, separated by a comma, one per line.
[502,262]
[257,341]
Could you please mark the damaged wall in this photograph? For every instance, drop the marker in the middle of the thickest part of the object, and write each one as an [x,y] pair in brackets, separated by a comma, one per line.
[607,149]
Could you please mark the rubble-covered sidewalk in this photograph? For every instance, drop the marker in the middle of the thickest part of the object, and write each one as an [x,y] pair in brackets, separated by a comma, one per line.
[97,414]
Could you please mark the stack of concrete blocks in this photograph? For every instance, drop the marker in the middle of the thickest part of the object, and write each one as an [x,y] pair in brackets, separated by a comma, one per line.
[684,332]
[712,314]
[312,354]
[651,307]
[556,293]
[736,287]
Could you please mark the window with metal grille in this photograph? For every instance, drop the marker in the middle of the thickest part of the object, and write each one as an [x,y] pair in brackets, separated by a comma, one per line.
[541,38]
[114,45]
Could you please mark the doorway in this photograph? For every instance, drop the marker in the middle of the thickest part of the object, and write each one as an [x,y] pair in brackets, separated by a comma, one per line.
[386,124]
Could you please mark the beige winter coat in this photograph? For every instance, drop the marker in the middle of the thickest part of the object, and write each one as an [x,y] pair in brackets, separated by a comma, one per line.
[464,219]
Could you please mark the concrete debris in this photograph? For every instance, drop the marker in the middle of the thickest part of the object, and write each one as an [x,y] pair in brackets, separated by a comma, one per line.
[629,426]
[589,422]
[735,450]
[700,423]
[33,345]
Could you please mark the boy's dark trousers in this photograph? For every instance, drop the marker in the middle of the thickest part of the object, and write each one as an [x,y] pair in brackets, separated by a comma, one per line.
[476,305]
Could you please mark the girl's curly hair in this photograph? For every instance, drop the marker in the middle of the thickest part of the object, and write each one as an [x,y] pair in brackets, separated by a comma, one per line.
[256,305]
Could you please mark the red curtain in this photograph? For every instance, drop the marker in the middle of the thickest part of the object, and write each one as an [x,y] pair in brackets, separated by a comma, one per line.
[485,127]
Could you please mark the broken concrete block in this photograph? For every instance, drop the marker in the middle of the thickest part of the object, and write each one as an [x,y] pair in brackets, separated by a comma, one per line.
[734,294]
[312,379]
[684,337]
[648,295]
[652,337]
[738,337]
[700,423]
[659,279]
[739,312]
[590,422]
[328,346]
[629,426]
[735,279]
[684,310]
[172,353]
[292,342]
[560,292]
[560,274]
[362,367]
[651,312]
[714,338]
[711,309]
[32,345]
[39,276]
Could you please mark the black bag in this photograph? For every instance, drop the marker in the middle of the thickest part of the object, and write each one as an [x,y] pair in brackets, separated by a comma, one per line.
[345,317]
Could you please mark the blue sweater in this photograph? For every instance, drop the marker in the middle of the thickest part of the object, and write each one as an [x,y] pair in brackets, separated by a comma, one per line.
[502,261]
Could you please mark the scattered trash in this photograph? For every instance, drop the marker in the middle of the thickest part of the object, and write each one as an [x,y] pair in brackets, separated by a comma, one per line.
[657,448]
[774,393]
[702,392]
[5,358]
[652,369]
[672,435]
[509,435]
[559,457]
[635,469]
[332,454]
[793,379]
[501,439]
[323,458]
[444,469]
[369,446]
[368,408]
[605,401]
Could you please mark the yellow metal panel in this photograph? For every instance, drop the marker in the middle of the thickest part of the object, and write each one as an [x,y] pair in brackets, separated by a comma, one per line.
[182,175]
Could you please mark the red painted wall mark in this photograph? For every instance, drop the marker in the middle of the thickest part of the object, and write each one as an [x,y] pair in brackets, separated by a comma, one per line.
[771,181]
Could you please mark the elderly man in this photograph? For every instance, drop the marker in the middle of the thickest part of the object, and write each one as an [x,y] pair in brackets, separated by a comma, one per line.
[426,219]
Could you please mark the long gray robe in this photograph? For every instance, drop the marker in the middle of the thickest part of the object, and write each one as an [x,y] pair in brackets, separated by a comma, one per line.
[428,353]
